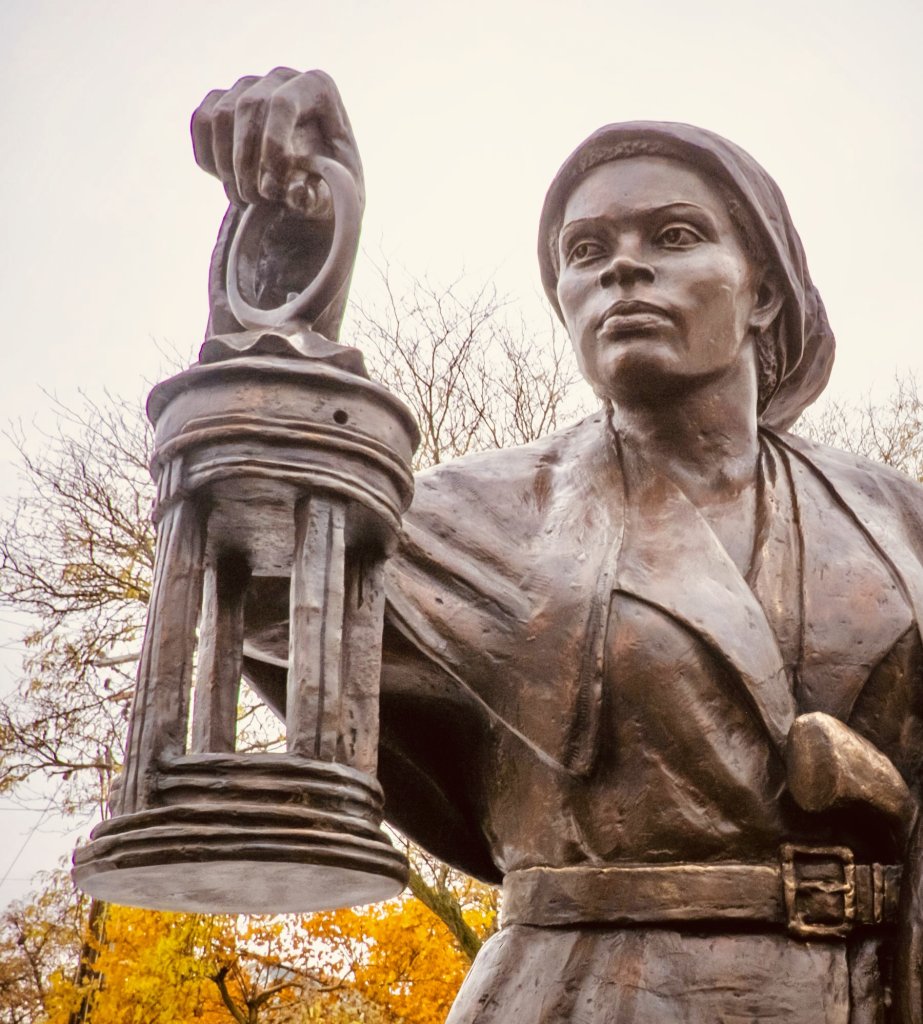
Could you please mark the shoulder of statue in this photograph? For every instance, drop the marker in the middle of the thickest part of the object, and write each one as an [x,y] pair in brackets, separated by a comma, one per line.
[840,461]
[509,468]
[881,491]
[480,501]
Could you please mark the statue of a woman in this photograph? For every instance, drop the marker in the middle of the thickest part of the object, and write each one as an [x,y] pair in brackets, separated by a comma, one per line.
[622,663]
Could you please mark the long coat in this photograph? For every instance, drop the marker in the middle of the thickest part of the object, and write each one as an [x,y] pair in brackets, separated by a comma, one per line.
[576,673]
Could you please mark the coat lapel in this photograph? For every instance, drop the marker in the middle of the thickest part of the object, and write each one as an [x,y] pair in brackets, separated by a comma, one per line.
[671,559]
[856,603]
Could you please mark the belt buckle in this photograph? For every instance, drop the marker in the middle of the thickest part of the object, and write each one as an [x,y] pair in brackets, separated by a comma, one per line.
[796,884]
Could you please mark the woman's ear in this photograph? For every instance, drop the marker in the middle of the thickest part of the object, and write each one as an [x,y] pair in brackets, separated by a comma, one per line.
[769,300]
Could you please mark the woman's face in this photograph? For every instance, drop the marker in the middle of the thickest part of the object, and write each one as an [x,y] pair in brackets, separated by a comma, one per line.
[656,288]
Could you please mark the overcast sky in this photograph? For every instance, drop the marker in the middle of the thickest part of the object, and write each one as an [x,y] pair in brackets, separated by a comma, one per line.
[463,113]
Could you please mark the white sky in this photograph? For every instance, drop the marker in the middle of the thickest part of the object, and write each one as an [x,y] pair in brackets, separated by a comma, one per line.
[463,112]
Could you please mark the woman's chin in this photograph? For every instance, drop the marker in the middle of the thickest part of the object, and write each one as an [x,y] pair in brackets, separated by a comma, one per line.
[630,374]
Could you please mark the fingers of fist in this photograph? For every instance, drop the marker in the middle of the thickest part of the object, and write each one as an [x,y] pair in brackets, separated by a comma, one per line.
[257,137]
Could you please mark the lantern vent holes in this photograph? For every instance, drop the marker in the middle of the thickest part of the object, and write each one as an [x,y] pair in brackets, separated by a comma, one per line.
[341,416]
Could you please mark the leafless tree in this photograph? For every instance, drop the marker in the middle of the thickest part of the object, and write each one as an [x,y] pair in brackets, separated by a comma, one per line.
[77,546]
[76,557]
[890,431]
[475,376]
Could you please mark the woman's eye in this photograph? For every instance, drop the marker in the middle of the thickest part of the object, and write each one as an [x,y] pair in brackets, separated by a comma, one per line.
[679,236]
[583,251]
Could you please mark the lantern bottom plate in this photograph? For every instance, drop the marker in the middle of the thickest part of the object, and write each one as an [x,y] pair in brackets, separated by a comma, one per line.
[239,886]
[235,857]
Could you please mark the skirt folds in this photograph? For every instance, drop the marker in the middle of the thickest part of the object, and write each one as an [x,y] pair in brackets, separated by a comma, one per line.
[529,975]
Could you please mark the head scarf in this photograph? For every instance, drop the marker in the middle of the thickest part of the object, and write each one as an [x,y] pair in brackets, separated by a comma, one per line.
[804,340]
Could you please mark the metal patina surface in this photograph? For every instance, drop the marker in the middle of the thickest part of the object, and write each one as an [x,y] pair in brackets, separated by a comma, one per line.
[658,673]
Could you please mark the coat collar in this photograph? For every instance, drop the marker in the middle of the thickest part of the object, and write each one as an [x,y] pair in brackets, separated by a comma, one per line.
[505,575]
[671,559]
[857,602]
[853,602]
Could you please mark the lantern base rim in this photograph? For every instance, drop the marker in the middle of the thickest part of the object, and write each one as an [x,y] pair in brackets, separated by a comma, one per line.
[225,872]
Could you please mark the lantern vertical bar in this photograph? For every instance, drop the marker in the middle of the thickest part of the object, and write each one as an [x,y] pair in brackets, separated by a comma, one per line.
[364,620]
[159,715]
[316,628]
[214,715]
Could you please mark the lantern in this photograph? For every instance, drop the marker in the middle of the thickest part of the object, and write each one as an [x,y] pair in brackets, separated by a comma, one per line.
[274,457]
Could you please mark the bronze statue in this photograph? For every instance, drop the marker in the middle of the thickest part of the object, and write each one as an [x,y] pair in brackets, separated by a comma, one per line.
[656,673]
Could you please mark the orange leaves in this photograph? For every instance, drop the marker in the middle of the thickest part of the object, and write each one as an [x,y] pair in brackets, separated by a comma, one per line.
[401,957]
[412,967]
[389,963]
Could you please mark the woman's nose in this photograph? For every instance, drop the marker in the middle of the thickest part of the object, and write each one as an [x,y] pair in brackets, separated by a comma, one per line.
[624,269]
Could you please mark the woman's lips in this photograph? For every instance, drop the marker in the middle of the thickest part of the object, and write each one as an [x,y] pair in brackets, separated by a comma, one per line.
[631,317]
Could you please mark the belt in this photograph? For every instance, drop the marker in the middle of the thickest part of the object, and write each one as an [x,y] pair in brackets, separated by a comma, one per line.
[815,891]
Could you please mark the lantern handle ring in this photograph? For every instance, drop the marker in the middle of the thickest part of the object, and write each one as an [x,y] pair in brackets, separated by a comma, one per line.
[309,304]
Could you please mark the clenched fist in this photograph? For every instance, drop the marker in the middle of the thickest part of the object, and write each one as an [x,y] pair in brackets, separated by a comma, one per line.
[257,136]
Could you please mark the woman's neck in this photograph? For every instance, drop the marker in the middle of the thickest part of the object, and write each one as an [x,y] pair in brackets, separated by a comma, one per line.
[703,437]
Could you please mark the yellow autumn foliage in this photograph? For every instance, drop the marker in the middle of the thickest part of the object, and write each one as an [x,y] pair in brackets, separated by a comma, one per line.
[390,963]
[399,956]
[148,968]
